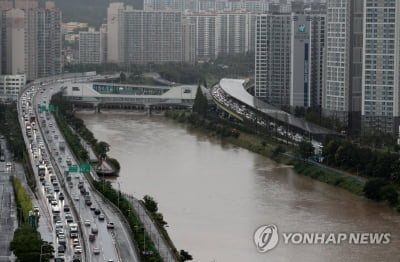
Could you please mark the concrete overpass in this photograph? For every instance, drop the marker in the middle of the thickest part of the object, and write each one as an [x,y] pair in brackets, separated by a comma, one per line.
[230,95]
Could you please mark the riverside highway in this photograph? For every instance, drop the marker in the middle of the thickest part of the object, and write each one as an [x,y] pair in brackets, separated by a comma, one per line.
[112,248]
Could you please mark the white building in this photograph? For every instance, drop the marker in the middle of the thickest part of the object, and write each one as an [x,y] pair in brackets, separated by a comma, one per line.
[343,61]
[89,47]
[114,35]
[289,50]
[10,86]
[14,42]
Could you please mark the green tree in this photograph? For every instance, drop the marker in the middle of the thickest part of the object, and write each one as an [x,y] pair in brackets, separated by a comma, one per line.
[27,245]
[150,204]
[306,149]
[372,188]
[102,148]
[114,162]
[200,105]
[389,193]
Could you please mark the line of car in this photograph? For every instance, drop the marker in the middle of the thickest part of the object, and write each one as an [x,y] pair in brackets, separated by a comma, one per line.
[61,155]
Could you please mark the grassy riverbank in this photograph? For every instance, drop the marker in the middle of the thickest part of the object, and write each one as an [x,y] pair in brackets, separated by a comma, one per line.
[264,145]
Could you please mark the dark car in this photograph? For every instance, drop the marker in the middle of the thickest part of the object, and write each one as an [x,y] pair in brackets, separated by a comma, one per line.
[97,211]
[92,237]
[61,196]
[76,258]
[66,208]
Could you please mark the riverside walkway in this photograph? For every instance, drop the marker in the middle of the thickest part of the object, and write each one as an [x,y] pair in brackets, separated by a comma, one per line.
[159,241]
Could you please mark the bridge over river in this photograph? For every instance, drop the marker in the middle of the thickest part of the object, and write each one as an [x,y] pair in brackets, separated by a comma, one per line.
[123,96]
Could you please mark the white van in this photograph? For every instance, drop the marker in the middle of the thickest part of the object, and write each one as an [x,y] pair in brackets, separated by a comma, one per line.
[55,210]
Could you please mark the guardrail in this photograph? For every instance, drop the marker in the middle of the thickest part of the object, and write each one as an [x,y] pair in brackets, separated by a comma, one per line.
[118,212]
[62,183]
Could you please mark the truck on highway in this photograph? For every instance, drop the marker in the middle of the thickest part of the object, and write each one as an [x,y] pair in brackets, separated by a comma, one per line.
[41,170]
[73,230]
[55,210]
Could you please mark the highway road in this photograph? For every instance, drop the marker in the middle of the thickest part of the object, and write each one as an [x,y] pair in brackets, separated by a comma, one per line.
[111,248]
[46,189]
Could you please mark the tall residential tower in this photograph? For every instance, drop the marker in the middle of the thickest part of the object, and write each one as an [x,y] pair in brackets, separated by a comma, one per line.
[381,57]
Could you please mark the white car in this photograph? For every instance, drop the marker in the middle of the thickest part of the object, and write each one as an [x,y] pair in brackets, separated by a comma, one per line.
[87,222]
[96,250]
[76,243]
[78,250]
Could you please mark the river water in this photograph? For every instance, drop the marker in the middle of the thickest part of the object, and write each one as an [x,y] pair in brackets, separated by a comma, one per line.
[215,195]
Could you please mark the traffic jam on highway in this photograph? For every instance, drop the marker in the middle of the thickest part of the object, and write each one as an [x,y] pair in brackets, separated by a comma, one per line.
[249,114]
[72,214]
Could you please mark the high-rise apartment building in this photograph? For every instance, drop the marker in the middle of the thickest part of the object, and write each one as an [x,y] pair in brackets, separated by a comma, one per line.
[253,6]
[13,53]
[380,75]
[205,24]
[343,61]
[273,48]
[152,36]
[223,33]
[103,43]
[189,42]
[114,34]
[49,61]
[234,32]
[31,40]
[89,47]
[141,37]
[289,58]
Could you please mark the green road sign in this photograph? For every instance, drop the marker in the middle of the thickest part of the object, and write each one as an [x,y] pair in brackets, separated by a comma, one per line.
[42,109]
[84,167]
[52,108]
[73,169]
